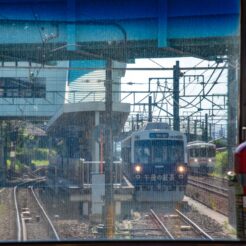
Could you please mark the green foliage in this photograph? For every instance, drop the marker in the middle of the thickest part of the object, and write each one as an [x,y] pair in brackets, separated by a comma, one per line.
[40,154]
[229,228]
[221,142]
[8,163]
[25,156]
[52,153]
[34,155]
[221,163]
[40,162]
[18,165]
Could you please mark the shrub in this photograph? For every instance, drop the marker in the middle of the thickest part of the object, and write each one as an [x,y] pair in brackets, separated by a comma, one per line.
[221,163]
[40,154]
[24,157]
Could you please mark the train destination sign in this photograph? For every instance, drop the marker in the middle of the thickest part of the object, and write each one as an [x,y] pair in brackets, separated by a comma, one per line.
[158,135]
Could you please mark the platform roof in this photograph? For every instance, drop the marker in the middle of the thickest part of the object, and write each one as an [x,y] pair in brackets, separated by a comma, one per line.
[76,117]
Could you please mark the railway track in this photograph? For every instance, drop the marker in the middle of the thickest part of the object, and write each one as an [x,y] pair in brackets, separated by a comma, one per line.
[178,226]
[211,191]
[205,185]
[33,223]
[211,181]
[164,226]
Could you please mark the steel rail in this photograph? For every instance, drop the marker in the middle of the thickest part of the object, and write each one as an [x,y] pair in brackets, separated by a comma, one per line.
[17,216]
[206,187]
[161,224]
[24,231]
[46,216]
[210,185]
[194,225]
[206,180]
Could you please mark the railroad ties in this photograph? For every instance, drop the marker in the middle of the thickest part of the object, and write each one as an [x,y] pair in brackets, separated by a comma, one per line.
[33,223]
[210,191]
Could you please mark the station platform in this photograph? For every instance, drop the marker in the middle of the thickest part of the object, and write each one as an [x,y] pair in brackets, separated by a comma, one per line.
[85,188]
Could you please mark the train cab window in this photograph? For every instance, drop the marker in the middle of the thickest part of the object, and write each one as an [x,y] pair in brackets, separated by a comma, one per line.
[176,151]
[211,152]
[159,152]
[203,152]
[191,152]
[142,151]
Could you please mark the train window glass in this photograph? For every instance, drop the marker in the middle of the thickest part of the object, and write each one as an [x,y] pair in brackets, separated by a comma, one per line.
[142,151]
[203,152]
[160,152]
[211,152]
[120,119]
[175,149]
[197,152]
[193,154]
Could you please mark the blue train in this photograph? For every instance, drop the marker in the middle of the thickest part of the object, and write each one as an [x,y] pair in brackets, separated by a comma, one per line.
[154,160]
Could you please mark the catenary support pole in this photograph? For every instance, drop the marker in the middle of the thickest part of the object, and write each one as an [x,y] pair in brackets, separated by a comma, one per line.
[176,75]
[108,151]
[150,109]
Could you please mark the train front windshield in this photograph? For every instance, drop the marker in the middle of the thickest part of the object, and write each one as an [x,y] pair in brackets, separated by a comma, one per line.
[203,152]
[159,151]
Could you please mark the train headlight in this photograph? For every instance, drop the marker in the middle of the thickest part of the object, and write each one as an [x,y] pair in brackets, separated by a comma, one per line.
[138,168]
[196,160]
[209,160]
[181,169]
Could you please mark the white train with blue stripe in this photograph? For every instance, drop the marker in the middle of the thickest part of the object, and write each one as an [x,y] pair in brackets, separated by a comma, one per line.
[201,157]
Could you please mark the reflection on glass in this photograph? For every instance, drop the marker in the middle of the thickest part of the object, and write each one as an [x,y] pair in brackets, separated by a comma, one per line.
[118,117]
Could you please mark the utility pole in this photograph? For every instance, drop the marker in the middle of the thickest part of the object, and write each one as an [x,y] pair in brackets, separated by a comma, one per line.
[132,124]
[188,129]
[137,121]
[176,75]
[210,131]
[150,109]
[206,128]
[195,130]
[170,121]
[109,196]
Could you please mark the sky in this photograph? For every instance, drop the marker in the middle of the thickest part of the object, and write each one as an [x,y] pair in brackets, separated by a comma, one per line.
[190,85]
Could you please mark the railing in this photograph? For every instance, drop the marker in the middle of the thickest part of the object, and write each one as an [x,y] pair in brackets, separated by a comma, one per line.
[80,172]
[96,167]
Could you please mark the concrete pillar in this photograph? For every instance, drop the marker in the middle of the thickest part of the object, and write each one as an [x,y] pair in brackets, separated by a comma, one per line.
[85,208]
[117,208]
[97,195]
[95,144]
